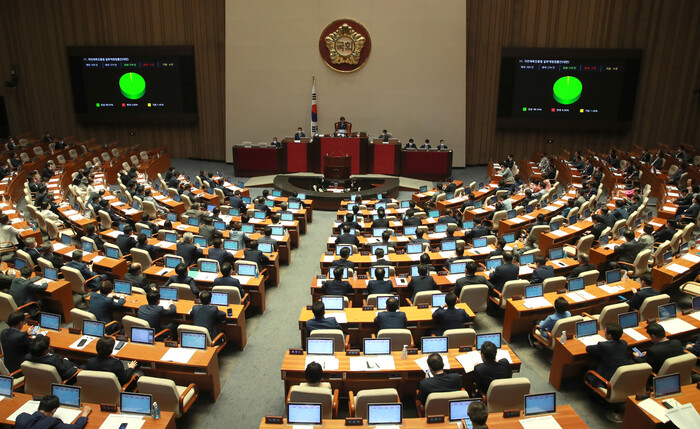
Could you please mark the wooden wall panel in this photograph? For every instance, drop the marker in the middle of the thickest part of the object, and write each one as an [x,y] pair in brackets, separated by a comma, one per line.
[668,32]
[33,38]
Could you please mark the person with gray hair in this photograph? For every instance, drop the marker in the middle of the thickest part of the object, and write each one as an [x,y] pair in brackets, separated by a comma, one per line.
[30,248]
[189,252]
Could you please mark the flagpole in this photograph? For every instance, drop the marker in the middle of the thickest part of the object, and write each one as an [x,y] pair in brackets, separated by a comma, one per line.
[314,109]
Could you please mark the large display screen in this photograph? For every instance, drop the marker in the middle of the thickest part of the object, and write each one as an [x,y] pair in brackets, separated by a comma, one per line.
[568,88]
[133,84]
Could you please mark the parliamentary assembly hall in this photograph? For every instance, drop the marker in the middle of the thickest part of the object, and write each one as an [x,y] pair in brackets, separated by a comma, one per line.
[326,213]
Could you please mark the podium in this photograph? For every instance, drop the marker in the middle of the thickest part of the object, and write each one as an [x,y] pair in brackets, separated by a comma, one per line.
[353,147]
[297,155]
[426,164]
[385,156]
[337,167]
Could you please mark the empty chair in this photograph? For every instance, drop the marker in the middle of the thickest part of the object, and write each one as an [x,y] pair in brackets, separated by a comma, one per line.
[76,280]
[358,402]
[460,337]
[144,156]
[219,340]
[425,297]
[628,380]
[105,157]
[8,306]
[609,314]
[142,257]
[553,284]
[38,151]
[583,245]
[234,295]
[507,394]
[24,157]
[475,296]
[682,364]
[318,395]
[17,379]
[99,387]
[640,265]
[183,291]
[73,154]
[115,152]
[399,338]
[170,397]
[590,277]
[650,307]
[340,341]
[438,403]
[135,161]
[510,289]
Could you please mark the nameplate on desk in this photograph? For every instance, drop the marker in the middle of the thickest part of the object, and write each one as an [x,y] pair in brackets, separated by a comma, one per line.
[650,321]
[75,331]
[641,396]
[296,351]
[403,276]
[362,277]
[170,343]
[688,311]
[517,298]
[423,305]
[413,351]
[321,276]
[367,308]
[561,291]
[352,352]
[465,349]
[400,252]
[122,338]
[442,273]
[511,413]
[353,421]
[108,408]
[436,419]
[364,253]
[274,420]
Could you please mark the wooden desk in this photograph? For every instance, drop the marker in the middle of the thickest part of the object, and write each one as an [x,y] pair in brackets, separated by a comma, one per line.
[361,325]
[426,164]
[519,319]
[565,416]
[202,369]
[637,418]
[9,405]
[103,265]
[664,277]
[60,293]
[456,203]
[568,358]
[404,377]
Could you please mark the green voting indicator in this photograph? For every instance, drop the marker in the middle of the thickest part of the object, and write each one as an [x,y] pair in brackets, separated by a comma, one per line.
[132,85]
[567,90]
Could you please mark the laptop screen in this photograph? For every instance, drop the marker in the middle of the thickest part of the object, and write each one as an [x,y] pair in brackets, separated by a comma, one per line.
[493,263]
[294,205]
[509,238]
[259,214]
[168,293]
[172,217]
[248,228]
[384,247]
[553,226]
[247,270]
[50,273]
[603,240]
[441,227]
[405,204]
[234,212]
[458,267]
[667,385]
[412,248]
[433,345]
[555,254]
[301,196]
[511,214]
[613,276]
[112,252]
[628,320]
[93,328]
[208,267]
[265,247]
[299,413]
[201,241]
[136,403]
[377,346]
[480,242]
[438,300]
[478,204]
[219,298]
[423,189]
[379,414]
[543,403]
[586,328]
[410,230]
[319,346]
[142,335]
[20,263]
[171,237]
[449,245]
[230,245]
[65,239]
[573,219]
[494,338]
[377,232]
[434,213]
[172,261]
[533,291]
[575,284]
[67,395]
[120,286]
[287,217]
[276,193]
[146,232]
[667,311]
[458,409]
[86,246]
[527,259]
[382,299]
[219,224]
[414,270]
[193,340]
[6,386]
[380,206]
[50,321]
[334,303]
[192,221]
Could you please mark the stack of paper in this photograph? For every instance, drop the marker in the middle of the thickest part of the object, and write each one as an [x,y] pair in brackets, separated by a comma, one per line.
[692,258]
[575,297]
[179,355]
[585,295]
[591,340]
[634,334]
[684,417]
[29,407]
[544,422]
[114,421]
[537,302]
[655,409]
[611,289]
[369,363]
[524,269]
[676,326]
[330,363]
[423,362]
[680,269]
[340,317]
[447,254]
[67,415]
[470,359]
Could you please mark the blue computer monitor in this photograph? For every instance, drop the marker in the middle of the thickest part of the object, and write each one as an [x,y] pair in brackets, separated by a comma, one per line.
[294,205]
[86,246]
[193,340]
[458,268]
[172,261]
[65,239]
[246,200]
[287,217]
[199,240]
[603,240]
[171,237]
[533,291]
[495,338]
[135,403]
[667,385]
[94,328]
[410,230]
[527,259]
[493,263]
[448,245]
[555,254]
[380,246]
[172,217]
[441,227]
[529,208]
[577,283]
[377,346]
[50,273]
[696,303]
[219,224]
[382,299]
[542,403]
[434,213]
[573,219]
[269,203]
[333,303]
[379,414]
[468,224]
[628,320]
[613,276]
[319,346]
[234,211]
[586,328]
[68,396]
[20,263]
[510,214]
[247,270]
[142,335]
[168,293]
[405,204]
[146,231]
[50,321]
[380,206]
[112,252]
[276,193]
[458,410]
[301,196]
[301,413]
[377,232]
[509,238]
[667,311]
[265,247]
[413,248]
[553,226]
[219,299]
[257,214]
[122,287]
[340,247]
[230,245]
[414,271]
[478,204]
[480,242]
[438,300]
[278,230]
[248,228]
[208,267]
[6,384]
[177,198]
[423,189]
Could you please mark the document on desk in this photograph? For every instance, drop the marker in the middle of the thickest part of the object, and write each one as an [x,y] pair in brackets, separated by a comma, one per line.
[340,316]
[676,268]
[86,339]
[330,363]
[423,362]
[544,422]
[447,254]
[575,228]
[369,363]
[575,297]
[591,340]
[655,409]
[438,235]
[165,303]
[480,250]
[559,233]
[115,233]
[414,256]
[113,421]
[67,415]
[29,407]
[585,295]
[518,220]
[471,359]
[537,302]
[610,289]
[177,354]
[206,276]
[454,277]
[692,258]
[676,326]
[696,315]
[635,335]
[97,259]
[524,269]
[243,279]
[685,416]
[58,246]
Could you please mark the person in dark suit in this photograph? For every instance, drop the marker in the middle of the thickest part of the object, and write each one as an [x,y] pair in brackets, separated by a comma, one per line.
[583,266]
[47,253]
[419,237]
[136,277]
[410,144]
[349,220]
[384,136]
[471,279]
[440,381]
[661,349]
[207,316]
[500,248]
[543,271]
[188,251]
[347,238]
[276,143]
[425,145]
[646,156]
[442,145]
[208,231]
[693,348]
[219,254]
[504,273]
[146,219]
[235,201]
[478,231]
[181,276]
[30,248]
[459,257]
[23,290]
[379,253]
[598,226]
[299,134]
[342,125]
[90,233]
[267,238]
[153,313]
[391,318]
[608,217]
[449,316]
[40,352]
[422,282]
[105,362]
[691,212]
[641,294]
[227,280]
[14,341]
[142,244]
[411,220]
[320,321]
[628,251]
[43,418]
[611,354]
[85,271]
[620,211]
[337,286]
[102,305]
[126,241]
[379,285]
[255,255]
[381,221]
[490,369]
[448,217]
[343,261]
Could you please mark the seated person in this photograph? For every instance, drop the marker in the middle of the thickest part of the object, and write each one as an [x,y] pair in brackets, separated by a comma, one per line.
[379,253]
[349,220]
[313,375]
[187,250]
[490,369]
[227,280]
[500,248]
[641,294]
[23,290]
[478,231]
[380,221]
[448,316]
[337,286]
[153,313]
[379,285]
[611,354]
[320,321]
[598,226]
[44,416]
[411,220]
[419,237]
[105,362]
[102,305]
[77,263]
[561,311]
[661,349]
[421,282]
[542,271]
[255,255]
[438,380]
[530,244]
[142,244]
[40,352]
[218,254]
[386,239]
[267,238]
[693,348]
[391,318]
[583,266]
[478,414]
[137,278]
[346,237]
[448,217]
[181,276]
[471,279]
[505,272]
[14,341]
[206,315]
[459,256]
[343,261]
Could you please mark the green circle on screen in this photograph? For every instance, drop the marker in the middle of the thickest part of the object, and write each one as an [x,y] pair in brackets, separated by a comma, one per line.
[132,85]
[567,90]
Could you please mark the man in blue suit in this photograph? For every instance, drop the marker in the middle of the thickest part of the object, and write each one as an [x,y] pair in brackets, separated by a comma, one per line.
[101,304]
[207,316]
[391,318]
[320,321]
[86,272]
[44,419]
